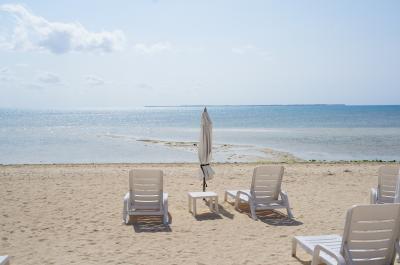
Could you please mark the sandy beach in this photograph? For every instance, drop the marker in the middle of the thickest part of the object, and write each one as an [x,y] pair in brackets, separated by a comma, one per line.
[91,90]
[71,214]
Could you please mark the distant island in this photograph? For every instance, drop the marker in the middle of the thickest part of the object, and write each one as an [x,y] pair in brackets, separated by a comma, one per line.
[272,105]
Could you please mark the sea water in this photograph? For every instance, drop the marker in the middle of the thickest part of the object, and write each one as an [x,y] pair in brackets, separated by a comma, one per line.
[309,132]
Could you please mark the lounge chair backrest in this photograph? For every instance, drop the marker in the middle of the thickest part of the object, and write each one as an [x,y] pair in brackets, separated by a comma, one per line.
[370,233]
[387,183]
[266,183]
[146,189]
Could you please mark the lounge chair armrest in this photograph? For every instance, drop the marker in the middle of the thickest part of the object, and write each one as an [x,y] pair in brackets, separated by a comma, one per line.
[283,194]
[165,196]
[237,199]
[374,196]
[244,193]
[321,248]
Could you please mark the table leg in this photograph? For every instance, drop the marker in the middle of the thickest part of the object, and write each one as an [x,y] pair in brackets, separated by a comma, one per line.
[210,204]
[216,204]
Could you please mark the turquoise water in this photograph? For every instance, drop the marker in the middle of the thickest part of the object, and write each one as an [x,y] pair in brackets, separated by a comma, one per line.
[321,132]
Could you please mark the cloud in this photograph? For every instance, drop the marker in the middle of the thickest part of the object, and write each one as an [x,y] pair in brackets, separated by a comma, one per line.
[33,86]
[22,65]
[243,49]
[153,48]
[250,49]
[94,80]
[144,86]
[48,78]
[33,32]
[4,70]
[5,74]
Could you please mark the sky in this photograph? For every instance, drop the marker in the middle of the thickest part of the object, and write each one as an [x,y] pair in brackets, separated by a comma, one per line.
[71,54]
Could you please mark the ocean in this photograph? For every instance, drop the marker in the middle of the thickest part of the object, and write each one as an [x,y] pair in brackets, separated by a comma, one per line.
[169,134]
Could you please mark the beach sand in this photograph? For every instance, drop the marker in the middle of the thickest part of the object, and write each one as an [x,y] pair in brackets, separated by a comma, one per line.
[71,214]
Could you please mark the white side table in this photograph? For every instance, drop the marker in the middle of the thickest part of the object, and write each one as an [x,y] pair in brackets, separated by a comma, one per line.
[213,202]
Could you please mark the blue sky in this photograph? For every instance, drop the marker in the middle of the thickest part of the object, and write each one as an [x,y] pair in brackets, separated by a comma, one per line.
[124,54]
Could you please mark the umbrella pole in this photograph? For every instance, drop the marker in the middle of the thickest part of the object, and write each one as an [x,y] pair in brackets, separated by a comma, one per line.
[204,179]
[204,185]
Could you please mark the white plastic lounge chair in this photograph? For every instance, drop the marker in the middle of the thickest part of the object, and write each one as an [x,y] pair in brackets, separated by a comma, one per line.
[4,260]
[386,190]
[369,238]
[145,196]
[265,192]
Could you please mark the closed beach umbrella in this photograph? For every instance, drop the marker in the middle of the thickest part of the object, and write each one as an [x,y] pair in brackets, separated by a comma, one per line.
[205,148]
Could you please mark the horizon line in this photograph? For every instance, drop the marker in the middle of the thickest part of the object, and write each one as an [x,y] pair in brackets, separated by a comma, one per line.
[189,106]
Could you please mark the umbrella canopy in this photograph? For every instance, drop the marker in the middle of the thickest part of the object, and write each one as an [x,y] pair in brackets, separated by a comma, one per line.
[205,148]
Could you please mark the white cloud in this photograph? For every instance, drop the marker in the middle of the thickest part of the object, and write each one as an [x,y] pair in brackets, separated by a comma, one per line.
[23,65]
[243,49]
[5,74]
[250,49]
[153,48]
[33,32]
[144,86]
[94,80]
[48,78]
[33,86]
[4,70]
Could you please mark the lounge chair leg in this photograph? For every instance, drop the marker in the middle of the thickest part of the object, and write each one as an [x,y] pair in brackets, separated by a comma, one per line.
[125,209]
[128,220]
[285,199]
[165,216]
[124,214]
[237,200]
[373,196]
[289,212]
[316,260]
[226,197]
[397,248]
[294,247]
[253,212]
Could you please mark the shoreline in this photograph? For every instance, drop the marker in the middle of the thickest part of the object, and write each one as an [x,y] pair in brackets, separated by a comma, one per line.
[228,152]
[341,162]
[223,153]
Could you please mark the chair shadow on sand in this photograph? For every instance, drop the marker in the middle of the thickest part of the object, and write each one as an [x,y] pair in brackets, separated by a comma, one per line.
[302,261]
[270,217]
[150,224]
[207,216]
[222,211]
